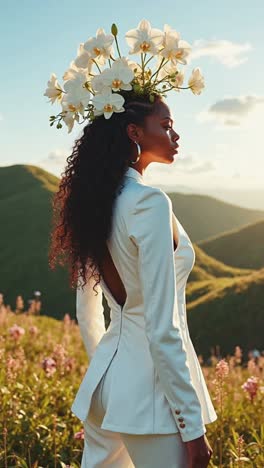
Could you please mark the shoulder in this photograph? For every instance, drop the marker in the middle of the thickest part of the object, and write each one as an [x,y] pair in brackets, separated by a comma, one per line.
[137,196]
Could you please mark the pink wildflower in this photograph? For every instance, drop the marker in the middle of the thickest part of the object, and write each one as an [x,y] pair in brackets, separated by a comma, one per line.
[222,368]
[12,367]
[49,366]
[16,332]
[79,435]
[251,387]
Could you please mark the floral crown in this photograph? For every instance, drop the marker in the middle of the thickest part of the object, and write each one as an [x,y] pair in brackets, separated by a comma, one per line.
[91,90]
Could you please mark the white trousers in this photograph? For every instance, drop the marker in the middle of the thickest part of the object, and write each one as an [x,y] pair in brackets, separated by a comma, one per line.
[107,449]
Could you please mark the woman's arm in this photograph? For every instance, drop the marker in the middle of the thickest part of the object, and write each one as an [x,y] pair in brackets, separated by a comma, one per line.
[150,228]
[89,313]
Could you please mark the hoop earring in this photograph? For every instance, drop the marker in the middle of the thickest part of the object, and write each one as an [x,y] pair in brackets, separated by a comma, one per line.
[139,153]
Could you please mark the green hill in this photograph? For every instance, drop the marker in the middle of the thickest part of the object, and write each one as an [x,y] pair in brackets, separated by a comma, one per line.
[25,210]
[241,248]
[207,267]
[227,312]
[204,216]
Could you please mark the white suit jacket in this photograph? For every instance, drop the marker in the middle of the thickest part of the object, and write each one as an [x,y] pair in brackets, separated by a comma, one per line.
[157,384]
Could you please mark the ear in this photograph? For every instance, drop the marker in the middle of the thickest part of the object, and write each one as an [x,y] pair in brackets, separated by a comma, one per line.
[134,131]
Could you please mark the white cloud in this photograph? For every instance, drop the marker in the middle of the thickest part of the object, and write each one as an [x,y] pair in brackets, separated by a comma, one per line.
[191,164]
[58,156]
[228,53]
[55,161]
[232,111]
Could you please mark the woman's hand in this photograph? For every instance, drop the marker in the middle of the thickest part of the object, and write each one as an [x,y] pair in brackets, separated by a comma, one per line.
[199,451]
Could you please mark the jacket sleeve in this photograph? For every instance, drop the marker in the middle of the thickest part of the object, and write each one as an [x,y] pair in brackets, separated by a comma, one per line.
[150,229]
[90,316]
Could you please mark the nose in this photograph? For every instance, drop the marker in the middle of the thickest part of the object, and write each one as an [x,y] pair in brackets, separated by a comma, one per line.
[175,136]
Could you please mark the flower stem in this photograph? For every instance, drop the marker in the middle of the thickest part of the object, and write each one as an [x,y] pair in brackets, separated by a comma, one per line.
[117,46]
[97,65]
[149,60]
[157,71]
[143,68]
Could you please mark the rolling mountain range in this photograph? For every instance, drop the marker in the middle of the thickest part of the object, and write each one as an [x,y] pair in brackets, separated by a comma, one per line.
[224,289]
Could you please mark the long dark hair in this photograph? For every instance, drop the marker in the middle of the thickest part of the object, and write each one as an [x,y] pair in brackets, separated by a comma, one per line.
[83,205]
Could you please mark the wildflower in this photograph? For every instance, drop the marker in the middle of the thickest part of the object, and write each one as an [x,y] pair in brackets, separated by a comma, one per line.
[79,435]
[12,367]
[49,366]
[251,387]
[239,455]
[222,369]
[16,332]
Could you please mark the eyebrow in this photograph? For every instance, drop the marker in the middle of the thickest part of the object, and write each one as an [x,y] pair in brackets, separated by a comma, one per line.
[168,118]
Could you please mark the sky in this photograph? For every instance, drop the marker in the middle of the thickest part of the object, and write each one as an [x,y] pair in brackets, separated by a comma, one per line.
[220,130]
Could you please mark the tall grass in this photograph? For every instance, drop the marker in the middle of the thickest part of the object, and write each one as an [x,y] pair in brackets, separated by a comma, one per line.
[42,363]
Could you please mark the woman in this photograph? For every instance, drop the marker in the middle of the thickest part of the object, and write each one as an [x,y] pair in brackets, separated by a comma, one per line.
[143,400]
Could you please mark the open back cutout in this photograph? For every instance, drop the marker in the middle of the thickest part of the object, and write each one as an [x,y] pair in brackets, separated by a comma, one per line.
[112,278]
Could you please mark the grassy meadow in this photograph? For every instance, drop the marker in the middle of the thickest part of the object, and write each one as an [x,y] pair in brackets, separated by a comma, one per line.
[42,364]
[42,355]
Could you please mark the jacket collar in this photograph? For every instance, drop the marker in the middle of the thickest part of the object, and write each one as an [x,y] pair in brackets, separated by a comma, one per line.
[131,172]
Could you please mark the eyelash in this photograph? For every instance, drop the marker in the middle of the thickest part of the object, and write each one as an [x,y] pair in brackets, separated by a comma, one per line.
[167,128]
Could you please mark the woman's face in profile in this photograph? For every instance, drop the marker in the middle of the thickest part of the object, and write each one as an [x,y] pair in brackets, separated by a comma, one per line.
[159,139]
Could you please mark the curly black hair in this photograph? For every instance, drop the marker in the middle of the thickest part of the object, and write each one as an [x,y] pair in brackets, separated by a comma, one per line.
[83,206]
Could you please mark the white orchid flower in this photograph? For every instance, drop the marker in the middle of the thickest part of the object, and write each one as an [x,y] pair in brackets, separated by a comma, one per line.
[144,39]
[98,85]
[76,93]
[83,86]
[196,81]
[54,90]
[174,49]
[73,69]
[118,76]
[174,79]
[71,72]
[107,102]
[69,118]
[83,59]
[100,47]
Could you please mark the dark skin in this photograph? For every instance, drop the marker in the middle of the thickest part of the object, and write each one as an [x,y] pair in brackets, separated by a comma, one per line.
[158,142]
